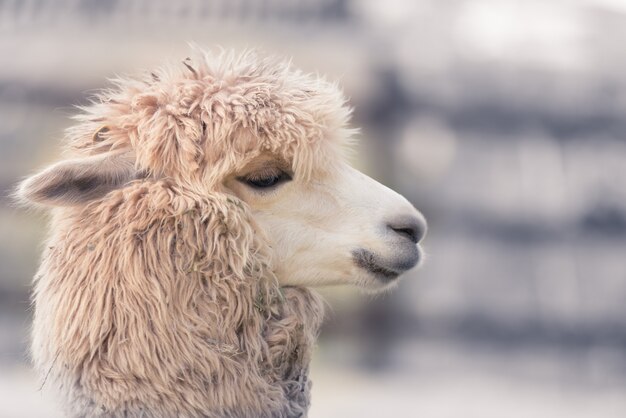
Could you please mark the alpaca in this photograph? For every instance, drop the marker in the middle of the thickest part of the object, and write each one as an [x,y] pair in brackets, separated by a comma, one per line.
[197,207]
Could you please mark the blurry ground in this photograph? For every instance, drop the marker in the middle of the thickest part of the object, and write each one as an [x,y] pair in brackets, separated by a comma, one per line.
[448,382]
[503,121]
[472,382]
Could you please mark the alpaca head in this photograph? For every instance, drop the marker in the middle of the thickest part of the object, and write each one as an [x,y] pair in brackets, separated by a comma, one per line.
[258,136]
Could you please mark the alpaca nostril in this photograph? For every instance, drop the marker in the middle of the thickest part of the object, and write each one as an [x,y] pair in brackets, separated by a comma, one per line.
[412,228]
[409,232]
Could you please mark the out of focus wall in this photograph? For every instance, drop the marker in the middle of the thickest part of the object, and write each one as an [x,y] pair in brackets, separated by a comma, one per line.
[503,121]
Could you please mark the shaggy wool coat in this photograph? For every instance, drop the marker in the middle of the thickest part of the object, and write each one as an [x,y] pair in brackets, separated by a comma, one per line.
[156,295]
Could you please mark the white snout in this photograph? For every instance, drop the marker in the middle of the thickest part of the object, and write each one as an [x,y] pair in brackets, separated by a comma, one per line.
[390,230]
[344,228]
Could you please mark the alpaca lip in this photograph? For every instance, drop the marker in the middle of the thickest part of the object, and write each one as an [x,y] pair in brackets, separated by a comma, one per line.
[372,263]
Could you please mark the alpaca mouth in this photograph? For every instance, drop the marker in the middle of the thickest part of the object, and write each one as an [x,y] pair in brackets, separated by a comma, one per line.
[382,269]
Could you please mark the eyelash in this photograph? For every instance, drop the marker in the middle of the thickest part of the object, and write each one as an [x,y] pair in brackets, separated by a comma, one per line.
[266,181]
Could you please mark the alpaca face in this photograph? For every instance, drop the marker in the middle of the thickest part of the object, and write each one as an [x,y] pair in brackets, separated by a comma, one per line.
[260,131]
[337,227]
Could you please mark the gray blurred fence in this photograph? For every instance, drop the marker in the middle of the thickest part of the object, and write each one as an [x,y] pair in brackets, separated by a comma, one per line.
[28,13]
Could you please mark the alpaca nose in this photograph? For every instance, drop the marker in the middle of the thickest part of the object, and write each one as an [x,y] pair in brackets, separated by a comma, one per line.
[411,227]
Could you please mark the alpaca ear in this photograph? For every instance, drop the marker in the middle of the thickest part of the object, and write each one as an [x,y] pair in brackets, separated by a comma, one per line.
[76,181]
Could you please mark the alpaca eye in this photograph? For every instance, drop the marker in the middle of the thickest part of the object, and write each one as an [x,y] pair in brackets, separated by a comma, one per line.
[265,181]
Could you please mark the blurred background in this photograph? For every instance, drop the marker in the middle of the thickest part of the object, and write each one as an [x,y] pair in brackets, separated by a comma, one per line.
[503,121]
